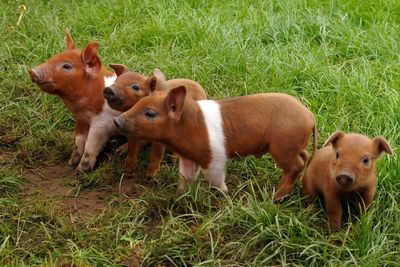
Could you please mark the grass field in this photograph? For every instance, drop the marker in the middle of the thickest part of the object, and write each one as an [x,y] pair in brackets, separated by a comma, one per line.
[341,58]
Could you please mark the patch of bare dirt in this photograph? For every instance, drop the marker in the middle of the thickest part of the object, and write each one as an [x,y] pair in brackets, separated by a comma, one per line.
[6,156]
[57,183]
[7,140]
[135,257]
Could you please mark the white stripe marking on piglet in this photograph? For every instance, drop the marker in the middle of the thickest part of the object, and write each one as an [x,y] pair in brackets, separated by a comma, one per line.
[109,80]
[216,169]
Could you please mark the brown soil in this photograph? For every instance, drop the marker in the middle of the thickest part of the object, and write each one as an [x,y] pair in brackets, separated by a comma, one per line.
[58,184]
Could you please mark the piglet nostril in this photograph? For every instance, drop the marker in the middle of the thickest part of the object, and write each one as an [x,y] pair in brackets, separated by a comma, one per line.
[344,179]
[109,92]
[35,76]
[119,122]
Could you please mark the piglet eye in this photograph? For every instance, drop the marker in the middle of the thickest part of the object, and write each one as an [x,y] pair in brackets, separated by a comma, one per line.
[135,87]
[365,161]
[337,155]
[67,66]
[150,114]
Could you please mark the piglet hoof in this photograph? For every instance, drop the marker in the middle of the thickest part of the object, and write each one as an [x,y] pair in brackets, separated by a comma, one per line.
[129,174]
[284,190]
[129,169]
[175,159]
[334,228]
[182,185]
[281,195]
[83,167]
[122,149]
[223,188]
[86,164]
[180,191]
[74,159]
[152,171]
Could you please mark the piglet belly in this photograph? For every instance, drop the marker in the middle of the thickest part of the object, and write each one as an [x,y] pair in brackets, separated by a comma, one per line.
[246,140]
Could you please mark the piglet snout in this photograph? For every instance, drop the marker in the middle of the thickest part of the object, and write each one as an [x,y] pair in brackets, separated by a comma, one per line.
[109,93]
[345,179]
[120,123]
[36,75]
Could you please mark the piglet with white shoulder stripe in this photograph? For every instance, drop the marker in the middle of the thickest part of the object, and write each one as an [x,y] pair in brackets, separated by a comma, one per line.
[127,90]
[79,78]
[209,133]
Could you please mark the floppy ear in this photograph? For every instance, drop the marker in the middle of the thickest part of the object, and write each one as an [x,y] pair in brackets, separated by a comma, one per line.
[175,101]
[380,144]
[119,68]
[157,72]
[91,59]
[70,41]
[334,138]
[157,83]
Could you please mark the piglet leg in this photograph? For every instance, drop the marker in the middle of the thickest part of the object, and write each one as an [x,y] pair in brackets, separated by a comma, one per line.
[131,158]
[81,133]
[334,210]
[156,155]
[79,147]
[367,197]
[216,176]
[291,169]
[188,171]
[96,139]
[308,189]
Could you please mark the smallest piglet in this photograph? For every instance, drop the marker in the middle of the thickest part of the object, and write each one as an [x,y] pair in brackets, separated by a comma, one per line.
[344,169]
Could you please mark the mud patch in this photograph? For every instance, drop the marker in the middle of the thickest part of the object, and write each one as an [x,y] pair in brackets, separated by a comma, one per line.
[59,184]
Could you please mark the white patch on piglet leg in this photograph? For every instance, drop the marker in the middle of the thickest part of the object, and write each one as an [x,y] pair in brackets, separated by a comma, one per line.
[94,144]
[217,177]
[101,128]
[188,172]
[215,171]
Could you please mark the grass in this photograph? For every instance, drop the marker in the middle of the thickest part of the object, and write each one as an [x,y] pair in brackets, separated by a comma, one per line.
[341,58]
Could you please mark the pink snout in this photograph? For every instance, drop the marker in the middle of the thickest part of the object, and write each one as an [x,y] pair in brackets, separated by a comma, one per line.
[120,123]
[36,75]
[345,179]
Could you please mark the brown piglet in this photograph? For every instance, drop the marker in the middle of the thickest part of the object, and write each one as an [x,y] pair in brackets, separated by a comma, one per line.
[207,133]
[344,169]
[128,89]
[79,78]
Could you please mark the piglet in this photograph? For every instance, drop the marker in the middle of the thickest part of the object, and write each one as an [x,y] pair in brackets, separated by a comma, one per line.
[207,133]
[128,89]
[344,169]
[79,78]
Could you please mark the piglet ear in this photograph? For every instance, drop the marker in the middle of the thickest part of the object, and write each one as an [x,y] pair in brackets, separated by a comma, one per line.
[70,41]
[157,72]
[157,82]
[91,60]
[334,138]
[119,68]
[175,101]
[380,144]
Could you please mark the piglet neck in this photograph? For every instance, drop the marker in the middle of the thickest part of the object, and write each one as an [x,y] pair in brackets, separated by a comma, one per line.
[90,97]
[189,136]
[95,85]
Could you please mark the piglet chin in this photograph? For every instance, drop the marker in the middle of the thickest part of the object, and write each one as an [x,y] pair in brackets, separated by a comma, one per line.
[123,127]
[120,123]
[116,104]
